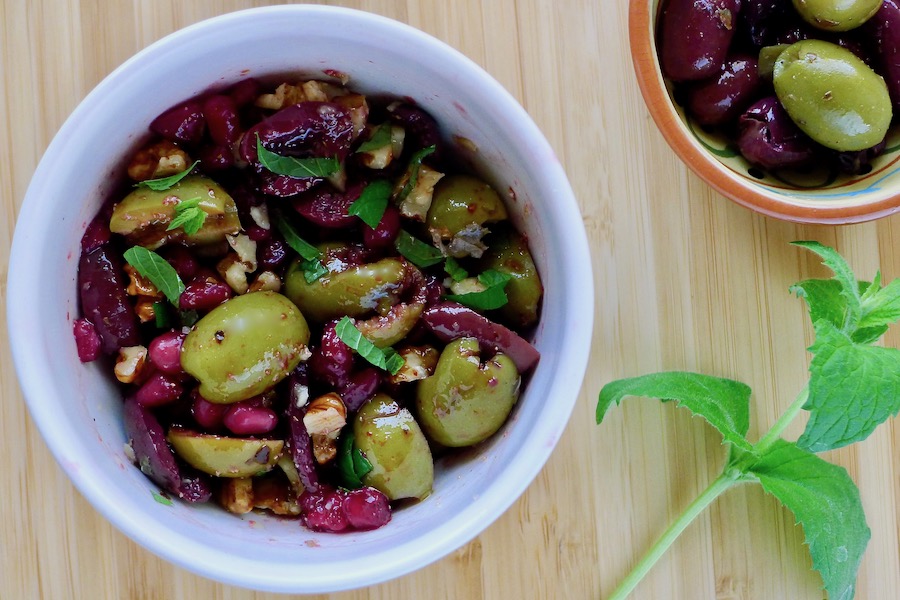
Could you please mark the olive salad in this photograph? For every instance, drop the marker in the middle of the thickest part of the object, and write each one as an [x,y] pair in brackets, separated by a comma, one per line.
[793,83]
[306,297]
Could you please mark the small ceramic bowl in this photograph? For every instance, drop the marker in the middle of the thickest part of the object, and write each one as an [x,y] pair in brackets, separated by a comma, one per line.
[815,196]
[77,407]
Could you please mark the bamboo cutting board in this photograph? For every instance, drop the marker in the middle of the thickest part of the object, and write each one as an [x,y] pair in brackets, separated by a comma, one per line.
[684,280]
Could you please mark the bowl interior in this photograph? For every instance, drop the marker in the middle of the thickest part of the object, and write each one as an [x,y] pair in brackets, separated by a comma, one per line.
[77,407]
[819,194]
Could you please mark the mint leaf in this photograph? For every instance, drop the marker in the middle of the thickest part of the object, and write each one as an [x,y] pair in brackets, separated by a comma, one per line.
[155,268]
[371,202]
[189,216]
[880,306]
[351,464]
[825,302]
[162,315]
[296,167]
[165,500]
[311,264]
[853,388]
[826,502]
[454,269]
[385,358]
[416,251]
[415,163]
[163,183]
[381,137]
[843,274]
[724,403]
[492,297]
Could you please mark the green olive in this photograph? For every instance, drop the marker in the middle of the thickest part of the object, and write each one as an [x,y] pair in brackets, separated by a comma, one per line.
[355,292]
[245,346]
[144,214]
[461,202]
[833,96]
[836,15]
[508,253]
[224,456]
[391,440]
[466,401]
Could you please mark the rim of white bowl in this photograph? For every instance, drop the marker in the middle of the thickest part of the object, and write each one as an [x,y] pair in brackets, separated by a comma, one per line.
[35,373]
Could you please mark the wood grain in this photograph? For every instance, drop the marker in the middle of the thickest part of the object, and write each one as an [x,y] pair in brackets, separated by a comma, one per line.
[684,280]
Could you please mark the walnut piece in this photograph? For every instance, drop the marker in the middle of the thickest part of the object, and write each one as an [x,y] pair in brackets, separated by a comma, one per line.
[130,363]
[158,160]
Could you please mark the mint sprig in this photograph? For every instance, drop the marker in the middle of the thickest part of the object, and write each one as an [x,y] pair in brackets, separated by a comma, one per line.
[352,465]
[155,268]
[301,168]
[161,184]
[372,202]
[189,216]
[416,251]
[852,389]
[490,298]
[383,358]
[311,264]
[380,138]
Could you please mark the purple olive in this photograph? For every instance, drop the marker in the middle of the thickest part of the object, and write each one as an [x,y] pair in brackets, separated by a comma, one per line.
[156,460]
[421,127]
[182,123]
[860,161]
[308,129]
[761,17]
[695,36]
[284,186]
[332,361]
[104,301]
[327,207]
[361,386]
[767,137]
[299,440]
[721,99]
[449,321]
[884,29]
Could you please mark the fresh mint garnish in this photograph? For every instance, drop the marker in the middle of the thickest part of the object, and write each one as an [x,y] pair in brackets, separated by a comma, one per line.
[155,268]
[164,183]
[296,167]
[162,499]
[852,389]
[383,358]
[380,138]
[416,251]
[415,163]
[352,465]
[311,264]
[490,298]
[372,202]
[454,269]
[162,315]
[189,216]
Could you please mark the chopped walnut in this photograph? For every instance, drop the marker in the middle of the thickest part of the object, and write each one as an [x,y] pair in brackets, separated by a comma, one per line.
[234,272]
[144,308]
[140,285]
[260,216]
[418,201]
[130,363]
[324,419]
[266,281]
[288,95]
[245,248]
[379,158]
[158,160]
[420,362]
[236,495]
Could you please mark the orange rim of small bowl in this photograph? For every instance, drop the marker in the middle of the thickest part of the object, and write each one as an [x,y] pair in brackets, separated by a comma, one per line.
[642,40]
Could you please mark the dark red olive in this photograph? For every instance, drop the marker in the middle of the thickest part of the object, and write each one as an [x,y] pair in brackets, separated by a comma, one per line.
[182,123]
[721,99]
[768,138]
[104,301]
[695,37]
[308,129]
[884,29]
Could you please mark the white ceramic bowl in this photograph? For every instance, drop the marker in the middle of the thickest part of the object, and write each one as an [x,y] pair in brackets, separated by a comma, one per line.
[78,408]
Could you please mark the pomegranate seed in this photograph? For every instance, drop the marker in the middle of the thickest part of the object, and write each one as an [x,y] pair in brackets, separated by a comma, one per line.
[204,293]
[165,352]
[244,419]
[324,511]
[159,389]
[207,414]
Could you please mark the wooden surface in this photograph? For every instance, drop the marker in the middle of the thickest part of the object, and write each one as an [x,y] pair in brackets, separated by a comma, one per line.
[684,280]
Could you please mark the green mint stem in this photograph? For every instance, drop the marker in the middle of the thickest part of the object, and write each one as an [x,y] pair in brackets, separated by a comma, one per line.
[640,570]
[771,436]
